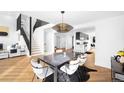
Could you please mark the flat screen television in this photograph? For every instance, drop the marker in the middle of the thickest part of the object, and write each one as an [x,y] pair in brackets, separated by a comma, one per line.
[1,46]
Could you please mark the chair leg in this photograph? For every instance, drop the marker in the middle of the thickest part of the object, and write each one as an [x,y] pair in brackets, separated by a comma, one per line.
[33,77]
[45,74]
[68,79]
[43,80]
[78,73]
[63,76]
[40,80]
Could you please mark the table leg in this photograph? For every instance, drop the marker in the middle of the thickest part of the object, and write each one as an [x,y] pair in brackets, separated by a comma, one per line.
[55,74]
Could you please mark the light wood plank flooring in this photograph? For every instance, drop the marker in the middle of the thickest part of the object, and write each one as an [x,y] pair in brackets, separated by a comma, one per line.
[19,69]
[102,74]
[16,69]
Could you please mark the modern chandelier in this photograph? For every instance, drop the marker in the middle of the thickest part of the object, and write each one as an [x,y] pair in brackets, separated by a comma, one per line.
[62,27]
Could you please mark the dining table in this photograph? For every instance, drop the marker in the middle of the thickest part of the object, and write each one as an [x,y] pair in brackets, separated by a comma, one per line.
[57,60]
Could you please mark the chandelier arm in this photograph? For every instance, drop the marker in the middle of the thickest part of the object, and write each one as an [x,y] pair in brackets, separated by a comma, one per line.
[62,21]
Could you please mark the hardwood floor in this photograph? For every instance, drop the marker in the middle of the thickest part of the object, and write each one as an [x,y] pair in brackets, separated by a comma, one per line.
[16,69]
[102,75]
[19,69]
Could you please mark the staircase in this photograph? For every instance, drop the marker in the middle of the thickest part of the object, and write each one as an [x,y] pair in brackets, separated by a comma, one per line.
[35,50]
[39,23]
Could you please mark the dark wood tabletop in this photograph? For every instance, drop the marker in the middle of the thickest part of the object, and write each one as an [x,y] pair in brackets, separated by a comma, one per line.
[57,59]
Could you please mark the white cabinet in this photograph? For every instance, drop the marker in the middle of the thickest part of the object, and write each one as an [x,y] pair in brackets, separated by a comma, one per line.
[3,54]
[81,42]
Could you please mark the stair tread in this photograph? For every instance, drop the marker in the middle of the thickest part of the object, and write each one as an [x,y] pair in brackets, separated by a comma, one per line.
[36,49]
[37,52]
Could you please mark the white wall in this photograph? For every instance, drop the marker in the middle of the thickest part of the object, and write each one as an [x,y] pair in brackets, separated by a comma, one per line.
[9,21]
[109,39]
[68,41]
[49,40]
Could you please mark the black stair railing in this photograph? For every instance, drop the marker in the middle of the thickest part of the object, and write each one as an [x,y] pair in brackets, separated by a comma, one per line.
[25,38]
[28,41]
[23,33]
[39,23]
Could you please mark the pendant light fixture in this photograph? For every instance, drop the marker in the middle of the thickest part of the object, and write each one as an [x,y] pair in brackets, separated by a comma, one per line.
[62,27]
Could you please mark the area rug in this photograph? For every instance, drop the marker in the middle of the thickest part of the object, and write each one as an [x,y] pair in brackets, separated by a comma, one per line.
[81,75]
[83,72]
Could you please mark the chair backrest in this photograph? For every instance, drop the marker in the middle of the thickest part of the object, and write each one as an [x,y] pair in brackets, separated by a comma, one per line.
[37,68]
[73,64]
[82,59]
[34,63]
[83,55]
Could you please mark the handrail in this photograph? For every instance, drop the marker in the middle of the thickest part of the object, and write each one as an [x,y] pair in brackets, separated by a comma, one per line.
[25,38]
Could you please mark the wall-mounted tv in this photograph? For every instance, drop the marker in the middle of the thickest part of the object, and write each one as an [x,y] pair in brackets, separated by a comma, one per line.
[3,33]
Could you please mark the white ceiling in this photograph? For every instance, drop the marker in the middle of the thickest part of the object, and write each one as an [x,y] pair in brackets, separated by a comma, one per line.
[73,17]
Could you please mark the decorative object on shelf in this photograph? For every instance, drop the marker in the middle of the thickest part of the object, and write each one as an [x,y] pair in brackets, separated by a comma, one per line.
[120,53]
[62,27]
[120,56]
[4,30]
